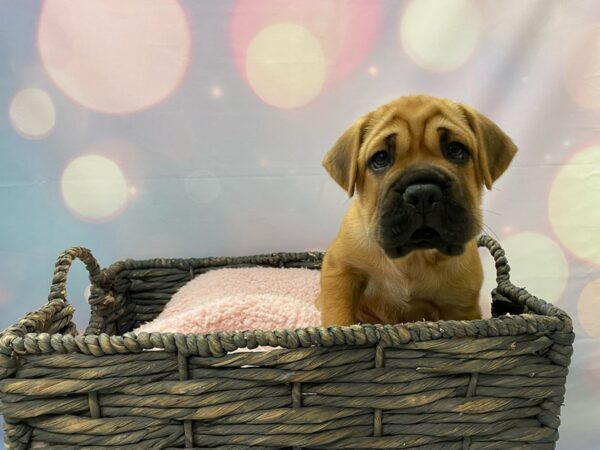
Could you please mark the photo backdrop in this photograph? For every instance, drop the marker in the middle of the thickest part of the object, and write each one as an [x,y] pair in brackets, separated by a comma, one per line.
[164,128]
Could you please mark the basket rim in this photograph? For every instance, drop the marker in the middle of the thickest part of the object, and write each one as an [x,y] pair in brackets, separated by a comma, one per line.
[274,258]
[222,342]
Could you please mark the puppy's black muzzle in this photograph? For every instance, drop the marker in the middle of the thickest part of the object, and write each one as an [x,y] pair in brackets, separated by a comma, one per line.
[420,211]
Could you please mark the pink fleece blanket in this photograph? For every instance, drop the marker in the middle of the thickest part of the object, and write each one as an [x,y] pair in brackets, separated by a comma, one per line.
[241,299]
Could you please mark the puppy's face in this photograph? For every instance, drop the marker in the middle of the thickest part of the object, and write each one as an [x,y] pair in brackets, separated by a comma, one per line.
[419,165]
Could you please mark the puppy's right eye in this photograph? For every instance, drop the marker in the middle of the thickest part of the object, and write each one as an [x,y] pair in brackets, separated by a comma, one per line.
[380,160]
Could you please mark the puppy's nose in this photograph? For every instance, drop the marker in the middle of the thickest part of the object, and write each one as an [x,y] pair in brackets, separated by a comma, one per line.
[423,197]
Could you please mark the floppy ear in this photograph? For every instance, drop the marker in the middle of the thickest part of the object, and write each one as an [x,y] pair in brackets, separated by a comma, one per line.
[496,149]
[341,161]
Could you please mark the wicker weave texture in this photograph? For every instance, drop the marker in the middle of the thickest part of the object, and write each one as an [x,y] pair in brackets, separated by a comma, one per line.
[484,384]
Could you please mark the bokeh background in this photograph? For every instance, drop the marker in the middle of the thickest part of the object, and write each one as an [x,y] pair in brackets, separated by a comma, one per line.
[147,128]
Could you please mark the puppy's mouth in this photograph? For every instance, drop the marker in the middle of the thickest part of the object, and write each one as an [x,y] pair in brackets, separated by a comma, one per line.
[425,238]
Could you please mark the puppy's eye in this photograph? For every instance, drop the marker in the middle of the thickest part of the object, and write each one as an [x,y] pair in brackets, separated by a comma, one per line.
[380,160]
[455,151]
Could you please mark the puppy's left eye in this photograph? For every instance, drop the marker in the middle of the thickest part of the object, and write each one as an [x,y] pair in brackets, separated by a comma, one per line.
[455,151]
[380,160]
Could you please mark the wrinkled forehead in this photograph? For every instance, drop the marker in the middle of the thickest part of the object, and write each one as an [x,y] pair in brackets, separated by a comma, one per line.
[418,119]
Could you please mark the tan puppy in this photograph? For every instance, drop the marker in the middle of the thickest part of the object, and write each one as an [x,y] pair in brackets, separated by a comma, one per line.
[406,250]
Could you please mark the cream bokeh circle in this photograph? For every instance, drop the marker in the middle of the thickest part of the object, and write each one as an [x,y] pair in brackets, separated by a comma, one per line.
[537,263]
[285,65]
[588,308]
[94,187]
[574,204]
[440,35]
[32,113]
[114,56]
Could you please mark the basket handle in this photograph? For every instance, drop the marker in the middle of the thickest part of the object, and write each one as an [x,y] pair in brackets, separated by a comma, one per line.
[497,252]
[97,276]
[506,297]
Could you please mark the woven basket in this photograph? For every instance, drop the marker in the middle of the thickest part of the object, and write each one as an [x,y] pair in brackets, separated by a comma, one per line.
[481,384]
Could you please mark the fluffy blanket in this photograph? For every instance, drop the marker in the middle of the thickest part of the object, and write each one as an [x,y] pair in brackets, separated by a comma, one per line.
[241,299]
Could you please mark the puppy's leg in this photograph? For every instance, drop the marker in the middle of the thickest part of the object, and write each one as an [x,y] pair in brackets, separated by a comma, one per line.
[340,289]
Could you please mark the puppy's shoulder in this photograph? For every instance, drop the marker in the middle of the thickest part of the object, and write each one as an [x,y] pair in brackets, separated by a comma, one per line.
[353,246]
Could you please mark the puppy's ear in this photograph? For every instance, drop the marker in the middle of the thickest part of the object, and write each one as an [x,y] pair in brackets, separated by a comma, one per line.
[496,149]
[341,161]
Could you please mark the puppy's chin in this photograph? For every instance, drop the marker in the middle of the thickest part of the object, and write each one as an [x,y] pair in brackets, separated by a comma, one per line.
[422,239]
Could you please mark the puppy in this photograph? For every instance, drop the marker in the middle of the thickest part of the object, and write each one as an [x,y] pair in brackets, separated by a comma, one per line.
[406,249]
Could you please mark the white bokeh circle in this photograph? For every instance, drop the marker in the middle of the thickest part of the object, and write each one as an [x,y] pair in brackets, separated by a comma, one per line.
[440,35]
[32,113]
[285,65]
[94,188]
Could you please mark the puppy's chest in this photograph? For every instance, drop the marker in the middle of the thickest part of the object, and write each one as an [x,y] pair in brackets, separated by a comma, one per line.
[390,287]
